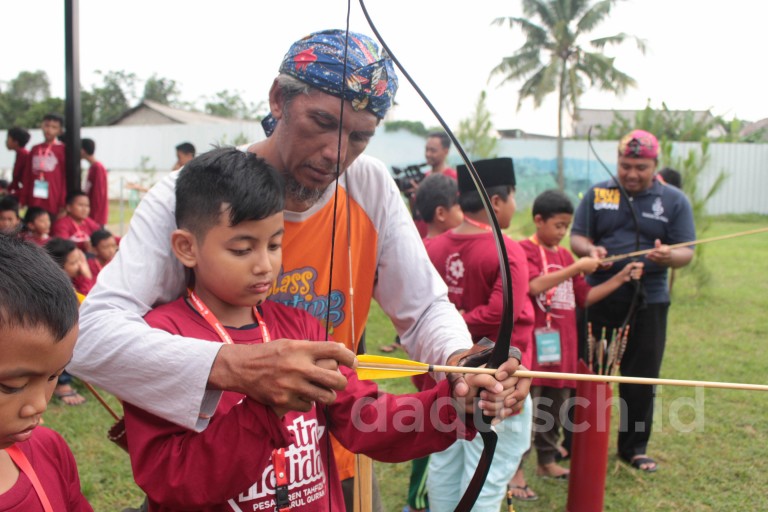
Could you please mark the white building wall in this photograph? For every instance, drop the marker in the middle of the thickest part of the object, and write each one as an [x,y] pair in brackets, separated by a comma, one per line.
[123,148]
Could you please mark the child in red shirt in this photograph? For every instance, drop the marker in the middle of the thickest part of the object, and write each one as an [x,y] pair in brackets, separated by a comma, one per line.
[38,330]
[229,213]
[45,178]
[76,225]
[557,287]
[17,141]
[37,226]
[466,258]
[95,184]
[104,247]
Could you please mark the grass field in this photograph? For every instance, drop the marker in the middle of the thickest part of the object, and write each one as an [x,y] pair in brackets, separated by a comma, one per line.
[712,457]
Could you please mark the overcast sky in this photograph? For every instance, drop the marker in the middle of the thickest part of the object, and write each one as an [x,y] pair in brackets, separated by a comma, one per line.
[702,54]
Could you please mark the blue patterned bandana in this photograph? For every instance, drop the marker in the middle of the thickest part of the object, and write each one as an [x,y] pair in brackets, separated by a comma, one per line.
[318,60]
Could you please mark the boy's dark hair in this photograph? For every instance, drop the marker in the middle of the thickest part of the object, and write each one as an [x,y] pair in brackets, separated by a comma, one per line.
[9,204]
[252,189]
[470,201]
[88,146]
[20,135]
[186,148]
[34,292]
[671,177]
[99,236]
[436,190]
[59,249]
[33,212]
[445,141]
[550,203]
[51,116]
[71,196]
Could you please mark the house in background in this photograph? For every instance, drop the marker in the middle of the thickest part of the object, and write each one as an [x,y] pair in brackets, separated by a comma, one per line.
[757,131]
[600,119]
[152,113]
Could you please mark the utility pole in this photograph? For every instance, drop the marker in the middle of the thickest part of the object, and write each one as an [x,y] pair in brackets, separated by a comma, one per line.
[72,110]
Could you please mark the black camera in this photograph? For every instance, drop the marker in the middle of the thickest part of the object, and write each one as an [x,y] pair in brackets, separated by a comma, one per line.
[407,177]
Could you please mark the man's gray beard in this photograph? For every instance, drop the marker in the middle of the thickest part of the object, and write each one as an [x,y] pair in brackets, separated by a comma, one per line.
[299,193]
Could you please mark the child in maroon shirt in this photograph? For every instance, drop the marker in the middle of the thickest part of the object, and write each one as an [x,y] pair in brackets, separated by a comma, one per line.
[17,141]
[76,225]
[557,287]
[95,184]
[45,177]
[37,226]
[104,249]
[38,332]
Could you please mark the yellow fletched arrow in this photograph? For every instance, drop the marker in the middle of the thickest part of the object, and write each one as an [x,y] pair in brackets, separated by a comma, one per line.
[382,367]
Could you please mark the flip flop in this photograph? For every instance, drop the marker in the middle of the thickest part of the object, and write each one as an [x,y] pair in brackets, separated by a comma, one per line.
[388,349]
[639,461]
[529,494]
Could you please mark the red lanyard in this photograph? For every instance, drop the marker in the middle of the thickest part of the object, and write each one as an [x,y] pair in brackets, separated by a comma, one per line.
[551,292]
[478,224]
[279,459]
[209,317]
[18,457]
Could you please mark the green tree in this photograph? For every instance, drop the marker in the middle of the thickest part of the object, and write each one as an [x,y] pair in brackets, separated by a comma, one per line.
[20,99]
[414,127]
[161,90]
[230,104]
[108,100]
[476,133]
[554,57]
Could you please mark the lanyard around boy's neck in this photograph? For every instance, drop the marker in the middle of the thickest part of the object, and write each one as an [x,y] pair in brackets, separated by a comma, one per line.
[209,317]
[477,224]
[545,268]
[18,458]
[279,459]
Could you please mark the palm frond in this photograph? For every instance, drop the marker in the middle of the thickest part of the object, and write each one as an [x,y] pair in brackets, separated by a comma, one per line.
[594,16]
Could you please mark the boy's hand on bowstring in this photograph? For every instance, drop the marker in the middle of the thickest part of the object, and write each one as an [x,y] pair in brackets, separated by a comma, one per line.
[287,375]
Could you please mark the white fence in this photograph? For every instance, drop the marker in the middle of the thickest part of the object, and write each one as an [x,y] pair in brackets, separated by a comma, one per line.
[125,149]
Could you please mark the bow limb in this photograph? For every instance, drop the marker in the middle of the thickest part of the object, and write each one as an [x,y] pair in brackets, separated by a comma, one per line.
[504,338]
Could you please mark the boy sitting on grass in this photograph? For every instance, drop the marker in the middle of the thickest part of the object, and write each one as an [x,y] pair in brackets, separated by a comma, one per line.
[38,330]
[229,213]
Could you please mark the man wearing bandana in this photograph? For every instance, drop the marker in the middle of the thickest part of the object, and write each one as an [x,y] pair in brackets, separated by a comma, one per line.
[604,225]
[310,133]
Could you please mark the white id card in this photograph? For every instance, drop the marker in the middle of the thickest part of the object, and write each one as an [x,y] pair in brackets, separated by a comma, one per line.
[40,189]
[548,350]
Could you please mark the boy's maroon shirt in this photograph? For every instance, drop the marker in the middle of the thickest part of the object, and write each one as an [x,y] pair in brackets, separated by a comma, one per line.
[79,232]
[96,188]
[469,265]
[55,467]
[48,162]
[230,461]
[19,165]
[568,295]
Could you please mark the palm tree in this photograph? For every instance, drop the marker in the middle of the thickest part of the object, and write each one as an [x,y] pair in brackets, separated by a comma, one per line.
[553,58]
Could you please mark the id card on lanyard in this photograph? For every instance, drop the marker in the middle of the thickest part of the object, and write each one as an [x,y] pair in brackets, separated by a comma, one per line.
[279,458]
[548,346]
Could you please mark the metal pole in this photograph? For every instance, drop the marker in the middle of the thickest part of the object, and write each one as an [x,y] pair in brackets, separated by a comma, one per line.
[72,112]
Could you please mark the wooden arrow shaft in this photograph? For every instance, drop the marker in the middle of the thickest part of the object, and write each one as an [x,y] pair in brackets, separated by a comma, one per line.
[410,369]
[619,257]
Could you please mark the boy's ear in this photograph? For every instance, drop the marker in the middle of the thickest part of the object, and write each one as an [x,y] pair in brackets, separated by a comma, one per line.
[184,246]
[538,220]
[440,213]
[496,202]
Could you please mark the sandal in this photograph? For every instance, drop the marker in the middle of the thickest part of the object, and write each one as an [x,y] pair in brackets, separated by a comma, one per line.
[388,349]
[68,395]
[639,461]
